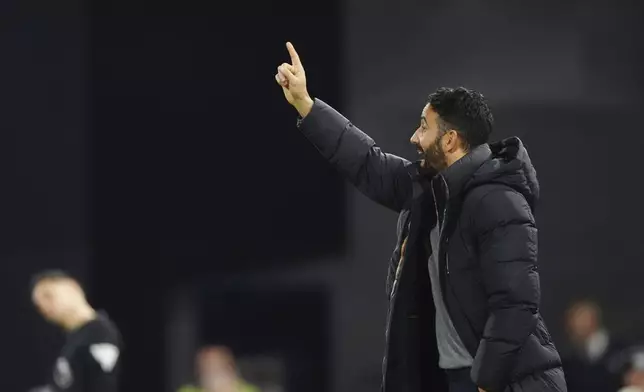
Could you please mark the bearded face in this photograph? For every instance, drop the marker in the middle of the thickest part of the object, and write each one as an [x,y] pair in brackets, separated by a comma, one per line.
[428,140]
[433,156]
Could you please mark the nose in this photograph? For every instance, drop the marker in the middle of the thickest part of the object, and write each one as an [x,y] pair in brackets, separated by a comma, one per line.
[413,139]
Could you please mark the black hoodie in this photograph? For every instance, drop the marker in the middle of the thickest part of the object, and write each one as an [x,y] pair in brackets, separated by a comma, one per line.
[484,204]
[90,359]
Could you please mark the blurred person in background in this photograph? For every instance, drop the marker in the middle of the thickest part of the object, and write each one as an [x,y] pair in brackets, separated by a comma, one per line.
[473,322]
[217,371]
[588,365]
[633,370]
[89,360]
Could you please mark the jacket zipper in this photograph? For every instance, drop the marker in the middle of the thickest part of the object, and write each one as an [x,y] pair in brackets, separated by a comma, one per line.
[403,248]
[440,234]
[392,303]
[445,249]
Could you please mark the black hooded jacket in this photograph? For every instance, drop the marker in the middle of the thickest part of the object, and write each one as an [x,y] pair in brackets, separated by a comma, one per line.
[484,206]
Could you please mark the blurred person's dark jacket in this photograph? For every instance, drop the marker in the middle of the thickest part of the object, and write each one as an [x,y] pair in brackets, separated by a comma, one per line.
[490,283]
[595,370]
[89,361]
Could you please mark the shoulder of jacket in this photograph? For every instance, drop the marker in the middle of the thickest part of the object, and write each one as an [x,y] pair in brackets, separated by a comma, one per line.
[102,331]
[477,193]
[474,198]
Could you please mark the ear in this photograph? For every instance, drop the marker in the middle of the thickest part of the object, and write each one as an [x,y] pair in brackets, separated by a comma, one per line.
[452,141]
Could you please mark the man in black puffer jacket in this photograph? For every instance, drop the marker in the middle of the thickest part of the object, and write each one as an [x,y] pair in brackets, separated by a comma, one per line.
[463,282]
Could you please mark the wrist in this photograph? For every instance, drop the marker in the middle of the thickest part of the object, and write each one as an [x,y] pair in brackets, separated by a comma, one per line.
[303,106]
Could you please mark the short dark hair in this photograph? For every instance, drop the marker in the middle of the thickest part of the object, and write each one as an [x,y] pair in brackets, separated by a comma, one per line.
[465,111]
[51,274]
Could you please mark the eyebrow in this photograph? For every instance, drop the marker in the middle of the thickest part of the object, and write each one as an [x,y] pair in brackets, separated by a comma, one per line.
[422,118]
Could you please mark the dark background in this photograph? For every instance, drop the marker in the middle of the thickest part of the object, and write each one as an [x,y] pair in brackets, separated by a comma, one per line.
[197,166]
[146,148]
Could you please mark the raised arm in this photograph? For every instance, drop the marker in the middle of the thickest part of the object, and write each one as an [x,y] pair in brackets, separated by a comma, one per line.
[380,176]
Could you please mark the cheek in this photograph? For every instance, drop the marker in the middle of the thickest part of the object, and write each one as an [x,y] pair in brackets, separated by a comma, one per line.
[40,302]
[427,143]
[50,306]
[44,309]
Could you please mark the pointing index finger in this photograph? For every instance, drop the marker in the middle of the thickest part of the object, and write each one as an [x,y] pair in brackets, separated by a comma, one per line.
[295,59]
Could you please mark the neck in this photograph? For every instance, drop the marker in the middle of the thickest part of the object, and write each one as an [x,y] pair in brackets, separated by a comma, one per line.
[455,157]
[79,317]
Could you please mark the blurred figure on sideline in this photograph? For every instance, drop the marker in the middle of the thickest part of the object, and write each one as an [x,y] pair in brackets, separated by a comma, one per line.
[587,366]
[217,372]
[633,377]
[89,360]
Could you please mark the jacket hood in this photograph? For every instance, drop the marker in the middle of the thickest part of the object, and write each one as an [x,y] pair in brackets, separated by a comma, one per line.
[505,162]
[508,164]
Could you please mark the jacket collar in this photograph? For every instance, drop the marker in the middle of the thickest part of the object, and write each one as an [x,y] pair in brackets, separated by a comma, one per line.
[421,178]
[458,174]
